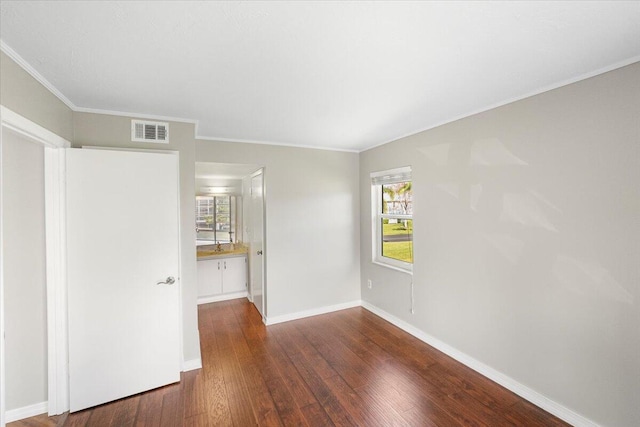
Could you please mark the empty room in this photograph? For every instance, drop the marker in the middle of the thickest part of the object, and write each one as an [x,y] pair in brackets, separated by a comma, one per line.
[322,213]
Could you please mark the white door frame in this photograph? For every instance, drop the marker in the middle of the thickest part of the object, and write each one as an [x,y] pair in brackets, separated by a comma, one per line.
[54,198]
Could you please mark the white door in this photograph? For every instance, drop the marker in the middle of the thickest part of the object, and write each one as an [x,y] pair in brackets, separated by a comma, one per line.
[256,247]
[122,240]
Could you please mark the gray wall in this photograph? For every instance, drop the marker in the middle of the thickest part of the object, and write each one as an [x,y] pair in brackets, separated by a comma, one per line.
[526,242]
[26,96]
[24,274]
[312,219]
[115,131]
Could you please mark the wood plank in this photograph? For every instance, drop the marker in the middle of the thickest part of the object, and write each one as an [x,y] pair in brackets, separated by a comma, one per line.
[41,420]
[343,368]
[194,393]
[77,419]
[125,412]
[328,401]
[316,416]
[170,412]
[149,409]
[102,415]
[240,402]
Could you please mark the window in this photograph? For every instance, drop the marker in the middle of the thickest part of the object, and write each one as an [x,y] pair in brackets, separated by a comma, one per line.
[392,208]
[214,218]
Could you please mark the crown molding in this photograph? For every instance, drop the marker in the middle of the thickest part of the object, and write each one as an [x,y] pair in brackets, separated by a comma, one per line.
[280,144]
[535,92]
[35,74]
[135,115]
[32,71]
[4,47]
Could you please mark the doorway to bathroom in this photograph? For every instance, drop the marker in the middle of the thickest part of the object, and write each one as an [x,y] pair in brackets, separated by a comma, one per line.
[230,223]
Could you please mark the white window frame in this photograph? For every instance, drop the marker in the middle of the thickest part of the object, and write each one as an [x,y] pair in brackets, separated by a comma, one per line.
[390,176]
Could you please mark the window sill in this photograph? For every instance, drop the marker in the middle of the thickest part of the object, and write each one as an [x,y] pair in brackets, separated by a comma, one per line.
[393,267]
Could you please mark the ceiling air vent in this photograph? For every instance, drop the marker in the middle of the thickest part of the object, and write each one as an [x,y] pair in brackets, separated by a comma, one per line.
[145,131]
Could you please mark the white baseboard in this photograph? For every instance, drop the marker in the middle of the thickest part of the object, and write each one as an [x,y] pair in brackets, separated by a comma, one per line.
[26,412]
[191,365]
[223,297]
[272,320]
[523,391]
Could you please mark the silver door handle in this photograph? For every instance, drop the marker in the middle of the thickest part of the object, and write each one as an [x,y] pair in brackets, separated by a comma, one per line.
[259,252]
[169,281]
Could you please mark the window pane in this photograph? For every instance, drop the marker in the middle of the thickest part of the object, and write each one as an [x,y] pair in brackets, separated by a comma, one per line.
[204,213]
[397,239]
[223,218]
[397,198]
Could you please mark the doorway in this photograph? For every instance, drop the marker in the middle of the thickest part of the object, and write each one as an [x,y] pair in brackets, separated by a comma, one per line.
[229,219]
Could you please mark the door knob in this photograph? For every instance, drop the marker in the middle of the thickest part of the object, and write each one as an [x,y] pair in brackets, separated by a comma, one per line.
[169,281]
[259,252]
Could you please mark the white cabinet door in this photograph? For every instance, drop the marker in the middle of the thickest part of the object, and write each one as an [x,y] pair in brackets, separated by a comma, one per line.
[234,275]
[123,277]
[209,277]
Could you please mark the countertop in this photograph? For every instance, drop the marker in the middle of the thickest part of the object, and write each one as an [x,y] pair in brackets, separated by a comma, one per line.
[210,252]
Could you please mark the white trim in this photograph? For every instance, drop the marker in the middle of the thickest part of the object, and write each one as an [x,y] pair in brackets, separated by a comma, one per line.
[223,297]
[26,412]
[135,115]
[507,101]
[2,369]
[56,236]
[392,267]
[51,88]
[196,133]
[311,312]
[191,365]
[404,170]
[521,390]
[36,75]
[377,200]
[32,131]
[54,246]
[137,150]
[31,71]
[280,144]
[181,285]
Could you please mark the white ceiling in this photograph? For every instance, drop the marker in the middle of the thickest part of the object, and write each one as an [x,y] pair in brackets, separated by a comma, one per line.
[339,75]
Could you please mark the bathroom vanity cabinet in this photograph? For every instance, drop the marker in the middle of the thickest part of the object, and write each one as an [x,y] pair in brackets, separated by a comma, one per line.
[222,277]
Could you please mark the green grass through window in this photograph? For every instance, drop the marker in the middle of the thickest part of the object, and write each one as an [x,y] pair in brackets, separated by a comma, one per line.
[402,251]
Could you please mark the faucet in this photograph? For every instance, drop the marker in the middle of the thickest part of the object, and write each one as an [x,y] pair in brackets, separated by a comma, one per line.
[218,247]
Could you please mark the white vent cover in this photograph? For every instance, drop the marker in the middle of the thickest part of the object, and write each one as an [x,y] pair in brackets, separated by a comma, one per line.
[146,131]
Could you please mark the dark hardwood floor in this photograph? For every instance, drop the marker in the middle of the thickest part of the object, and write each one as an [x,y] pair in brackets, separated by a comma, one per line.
[345,368]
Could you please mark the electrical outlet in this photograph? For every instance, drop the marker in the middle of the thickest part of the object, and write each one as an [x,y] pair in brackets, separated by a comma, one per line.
[369,283]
